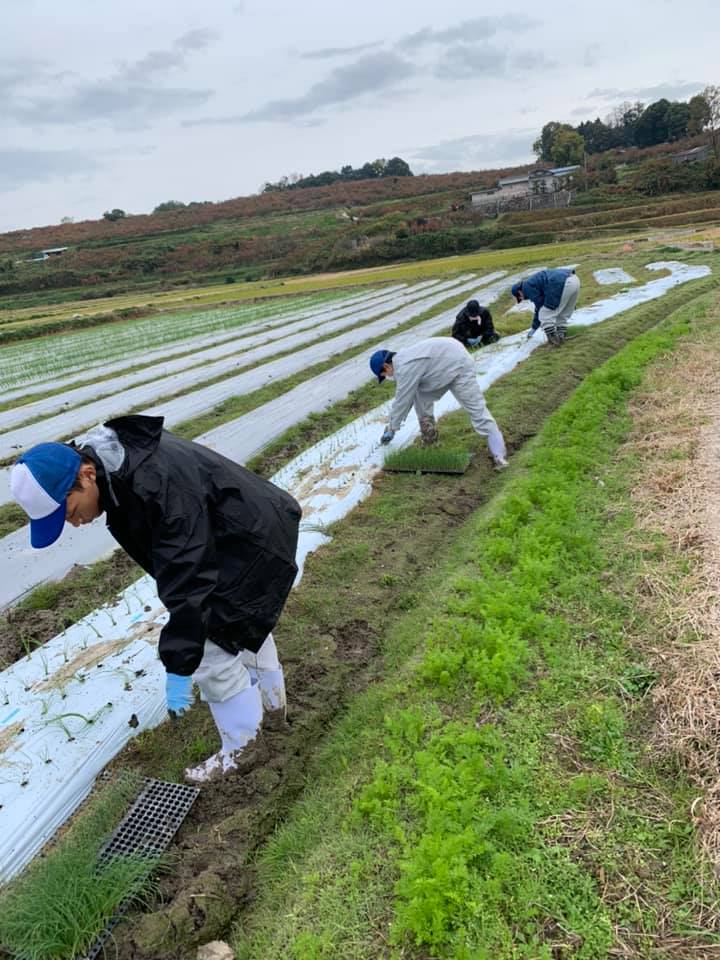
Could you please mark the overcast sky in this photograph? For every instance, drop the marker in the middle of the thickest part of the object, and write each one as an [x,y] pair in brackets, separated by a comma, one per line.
[106,104]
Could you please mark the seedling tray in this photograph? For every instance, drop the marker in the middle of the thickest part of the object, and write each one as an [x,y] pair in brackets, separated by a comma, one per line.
[147,829]
[417,460]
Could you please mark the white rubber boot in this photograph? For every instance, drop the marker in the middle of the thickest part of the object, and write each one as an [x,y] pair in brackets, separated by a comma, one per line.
[266,671]
[238,720]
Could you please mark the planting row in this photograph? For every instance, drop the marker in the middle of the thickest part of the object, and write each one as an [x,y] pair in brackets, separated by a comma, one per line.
[239,440]
[258,319]
[267,338]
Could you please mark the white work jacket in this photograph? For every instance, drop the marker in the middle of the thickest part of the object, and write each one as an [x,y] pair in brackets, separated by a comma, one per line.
[428,367]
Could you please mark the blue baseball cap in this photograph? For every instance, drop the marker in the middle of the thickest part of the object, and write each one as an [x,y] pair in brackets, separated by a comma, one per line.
[516,288]
[40,482]
[378,361]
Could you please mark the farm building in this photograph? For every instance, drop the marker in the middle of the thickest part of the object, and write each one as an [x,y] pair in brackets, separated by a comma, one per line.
[696,155]
[530,184]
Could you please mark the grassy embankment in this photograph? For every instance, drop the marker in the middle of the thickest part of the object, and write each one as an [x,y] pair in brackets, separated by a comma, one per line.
[495,797]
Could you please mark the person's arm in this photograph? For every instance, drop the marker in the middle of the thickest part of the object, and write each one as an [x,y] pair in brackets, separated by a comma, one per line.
[459,330]
[408,379]
[185,568]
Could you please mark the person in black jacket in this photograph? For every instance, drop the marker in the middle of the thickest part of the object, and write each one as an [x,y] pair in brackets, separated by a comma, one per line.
[219,541]
[474,326]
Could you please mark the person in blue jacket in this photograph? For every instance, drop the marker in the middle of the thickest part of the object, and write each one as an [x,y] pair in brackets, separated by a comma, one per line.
[554,293]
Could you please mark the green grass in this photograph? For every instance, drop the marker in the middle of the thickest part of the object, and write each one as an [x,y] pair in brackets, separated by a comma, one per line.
[427,460]
[494,798]
[56,909]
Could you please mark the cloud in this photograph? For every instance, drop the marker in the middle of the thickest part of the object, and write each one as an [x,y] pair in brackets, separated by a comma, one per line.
[130,98]
[465,61]
[462,61]
[467,31]
[19,167]
[672,91]
[326,53]
[476,152]
[371,74]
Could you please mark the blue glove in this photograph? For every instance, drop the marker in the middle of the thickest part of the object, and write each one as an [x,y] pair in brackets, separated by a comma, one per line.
[387,436]
[178,692]
[530,332]
[473,341]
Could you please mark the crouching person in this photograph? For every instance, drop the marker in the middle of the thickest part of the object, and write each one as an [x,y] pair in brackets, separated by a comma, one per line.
[554,294]
[474,326]
[219,541]
[424,373]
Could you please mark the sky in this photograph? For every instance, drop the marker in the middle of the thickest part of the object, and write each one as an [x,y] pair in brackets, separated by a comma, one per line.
[106,104]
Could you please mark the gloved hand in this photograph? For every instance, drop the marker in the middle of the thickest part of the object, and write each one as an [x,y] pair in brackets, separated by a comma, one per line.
[387,436]
[178,693]
[473,341]
[530,332]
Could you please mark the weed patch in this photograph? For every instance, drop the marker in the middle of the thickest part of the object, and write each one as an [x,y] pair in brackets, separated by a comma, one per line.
[63,901]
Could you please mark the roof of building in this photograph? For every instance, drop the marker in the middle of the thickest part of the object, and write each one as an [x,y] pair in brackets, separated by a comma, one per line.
[54,250]
[537,174]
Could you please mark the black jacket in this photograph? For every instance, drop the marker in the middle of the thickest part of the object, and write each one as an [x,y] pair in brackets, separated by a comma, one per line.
[219,540]
[467,327]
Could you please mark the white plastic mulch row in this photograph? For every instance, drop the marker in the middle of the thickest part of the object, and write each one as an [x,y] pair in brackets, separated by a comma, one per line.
[29,362]
[70,706]
[236,345]
[267,319]
[191,403]
[612,275]
[202,398]
[239,440]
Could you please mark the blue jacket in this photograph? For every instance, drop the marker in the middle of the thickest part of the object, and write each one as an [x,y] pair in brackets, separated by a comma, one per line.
[545,289]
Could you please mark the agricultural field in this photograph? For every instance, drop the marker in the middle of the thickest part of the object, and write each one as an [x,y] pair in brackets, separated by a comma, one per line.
[501,725]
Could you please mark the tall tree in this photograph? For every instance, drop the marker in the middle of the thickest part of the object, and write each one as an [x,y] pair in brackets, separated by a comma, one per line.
[678,117]
[712,125]
[544,143]
[699,114]
[652,125]
[568,147]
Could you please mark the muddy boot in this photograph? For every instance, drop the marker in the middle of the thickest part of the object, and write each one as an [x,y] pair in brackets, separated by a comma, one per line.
[552,337]
[561,333]
[238,721]
[428,431]
[500,463]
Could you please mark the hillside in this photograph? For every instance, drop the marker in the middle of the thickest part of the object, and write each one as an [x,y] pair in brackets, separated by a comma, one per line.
[342,226]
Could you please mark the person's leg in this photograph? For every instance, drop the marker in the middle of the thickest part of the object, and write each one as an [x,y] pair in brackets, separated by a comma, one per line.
[466,391]
[548,323]
[235,704]
[488,334]
[568,302]
[266,670]
[425,410]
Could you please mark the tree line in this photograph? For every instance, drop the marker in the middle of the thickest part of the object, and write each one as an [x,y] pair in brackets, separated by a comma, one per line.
[632,125]
[395,167]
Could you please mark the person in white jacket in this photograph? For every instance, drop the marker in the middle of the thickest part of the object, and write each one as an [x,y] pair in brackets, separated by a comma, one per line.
[423,373]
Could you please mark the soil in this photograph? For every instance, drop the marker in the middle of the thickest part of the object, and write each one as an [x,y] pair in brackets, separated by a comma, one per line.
[83,589]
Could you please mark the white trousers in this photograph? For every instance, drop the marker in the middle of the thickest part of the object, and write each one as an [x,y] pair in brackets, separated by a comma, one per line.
[468,394]
[559,317]
[222,675]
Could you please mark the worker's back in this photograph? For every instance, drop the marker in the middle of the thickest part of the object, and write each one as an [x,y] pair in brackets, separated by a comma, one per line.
[441,358]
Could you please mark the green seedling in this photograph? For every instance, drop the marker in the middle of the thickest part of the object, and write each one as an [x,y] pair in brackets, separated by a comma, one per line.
[424,460]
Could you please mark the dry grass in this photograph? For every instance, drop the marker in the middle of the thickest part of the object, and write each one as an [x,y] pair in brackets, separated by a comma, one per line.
[676,442]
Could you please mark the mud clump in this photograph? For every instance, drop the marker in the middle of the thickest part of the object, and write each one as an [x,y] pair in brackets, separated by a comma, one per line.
[201,912]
